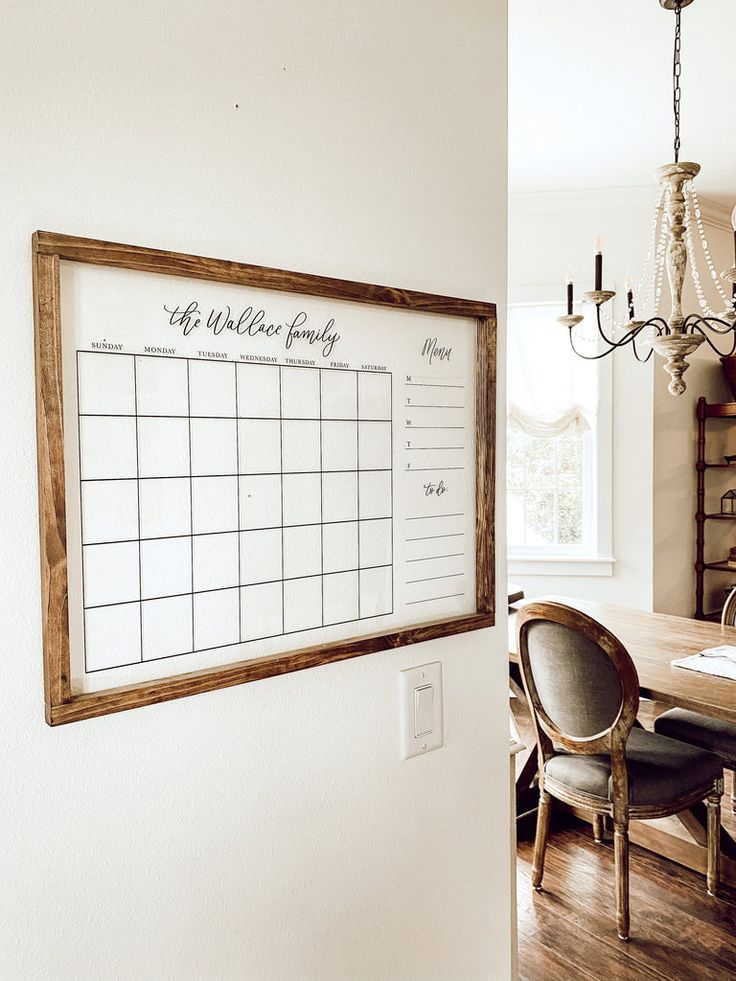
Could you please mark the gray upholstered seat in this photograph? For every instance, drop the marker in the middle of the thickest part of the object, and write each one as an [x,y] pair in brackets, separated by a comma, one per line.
[699,730]
[659,769]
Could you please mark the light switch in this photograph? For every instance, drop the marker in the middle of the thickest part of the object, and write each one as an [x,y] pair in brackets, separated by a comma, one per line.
[421,709]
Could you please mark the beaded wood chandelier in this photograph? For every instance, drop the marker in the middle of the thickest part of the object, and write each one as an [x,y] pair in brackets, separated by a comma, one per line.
[677,222]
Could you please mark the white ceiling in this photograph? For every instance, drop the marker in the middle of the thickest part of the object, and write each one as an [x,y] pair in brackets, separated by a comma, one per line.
[590,93]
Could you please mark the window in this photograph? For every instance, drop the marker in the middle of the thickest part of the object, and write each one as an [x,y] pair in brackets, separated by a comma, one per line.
[559,450]
[546,480]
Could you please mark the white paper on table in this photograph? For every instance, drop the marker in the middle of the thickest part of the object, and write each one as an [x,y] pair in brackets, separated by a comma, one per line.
[717,661]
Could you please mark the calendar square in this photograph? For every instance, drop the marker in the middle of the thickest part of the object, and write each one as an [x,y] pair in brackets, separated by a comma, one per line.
[374,442]
[211,388]
[341,597]
[167,627]
[259,445]
[260,501]
[259,391]
[339,445]
[302,551]
[302,604]
[300,442]
[299,393]
[109,511]
[302,498]
[163,447]
[214,447]
[165,507]
[107,448]
[374,395]
[340,547]
[261,556]
[216,619]
[106,384]
[374,488]
[214,504]
[162,386]
[110,573]
[166,567]
[376,546]
[339,394]
[112,636]
[215,561]
[261,611]
[339,496]
[376,592]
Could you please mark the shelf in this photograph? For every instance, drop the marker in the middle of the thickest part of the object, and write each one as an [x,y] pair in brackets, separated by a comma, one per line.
[717,453]
[720,410]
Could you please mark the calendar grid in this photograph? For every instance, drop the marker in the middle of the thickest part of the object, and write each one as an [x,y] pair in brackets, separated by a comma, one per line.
[223,502]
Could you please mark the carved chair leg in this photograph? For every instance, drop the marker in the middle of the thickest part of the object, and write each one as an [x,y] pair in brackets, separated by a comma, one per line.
[714,839]
[598,826]
[540,842]
[621,866]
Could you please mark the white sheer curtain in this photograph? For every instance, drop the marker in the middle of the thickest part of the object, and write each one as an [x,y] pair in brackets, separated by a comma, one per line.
[551,391]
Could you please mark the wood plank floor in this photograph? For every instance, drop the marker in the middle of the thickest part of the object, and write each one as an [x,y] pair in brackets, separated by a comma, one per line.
[568,931]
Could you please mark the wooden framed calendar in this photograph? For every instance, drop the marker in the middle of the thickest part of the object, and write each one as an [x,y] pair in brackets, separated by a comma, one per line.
[245,471]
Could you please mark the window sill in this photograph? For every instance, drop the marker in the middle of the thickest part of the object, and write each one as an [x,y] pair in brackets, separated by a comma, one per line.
[560,565]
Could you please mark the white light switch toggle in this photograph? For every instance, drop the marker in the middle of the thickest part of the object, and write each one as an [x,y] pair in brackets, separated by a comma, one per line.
[421,709]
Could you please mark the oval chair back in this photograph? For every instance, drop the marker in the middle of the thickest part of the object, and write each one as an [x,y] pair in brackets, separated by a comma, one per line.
[728,617]
[582,687]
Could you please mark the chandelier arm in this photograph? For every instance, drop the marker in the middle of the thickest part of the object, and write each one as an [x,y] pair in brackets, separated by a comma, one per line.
[704,320]
[636,353]
[653,322]
[590,357]
[627,338]
[600,328]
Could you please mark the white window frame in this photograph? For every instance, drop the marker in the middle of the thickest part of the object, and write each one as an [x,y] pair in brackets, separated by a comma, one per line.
[595,556]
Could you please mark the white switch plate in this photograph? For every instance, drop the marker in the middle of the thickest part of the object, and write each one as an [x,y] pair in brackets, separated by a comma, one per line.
[421,709]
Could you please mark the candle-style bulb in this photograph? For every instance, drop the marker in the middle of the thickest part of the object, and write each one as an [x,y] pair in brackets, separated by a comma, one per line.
[569,293]
[629,283]
[598,243]
[568,276]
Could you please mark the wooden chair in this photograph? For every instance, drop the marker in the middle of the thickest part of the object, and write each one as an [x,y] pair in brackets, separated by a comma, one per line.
[583,692]
[701,730]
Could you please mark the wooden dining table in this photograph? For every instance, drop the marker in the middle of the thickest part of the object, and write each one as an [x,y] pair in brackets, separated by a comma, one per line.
[653,640]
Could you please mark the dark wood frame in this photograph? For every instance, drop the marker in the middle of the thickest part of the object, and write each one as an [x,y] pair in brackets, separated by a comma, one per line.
[609,742]
[49,249]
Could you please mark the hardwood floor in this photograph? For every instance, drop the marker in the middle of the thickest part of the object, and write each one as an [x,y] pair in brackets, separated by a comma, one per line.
[568,931]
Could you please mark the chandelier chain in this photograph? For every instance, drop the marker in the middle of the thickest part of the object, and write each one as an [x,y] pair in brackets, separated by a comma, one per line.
[676,73]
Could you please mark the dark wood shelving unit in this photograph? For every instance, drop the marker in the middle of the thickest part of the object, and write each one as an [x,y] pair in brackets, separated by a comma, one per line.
[706,411]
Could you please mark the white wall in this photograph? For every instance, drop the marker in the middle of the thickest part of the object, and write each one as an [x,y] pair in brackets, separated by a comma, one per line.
[675,434]
[268,831]
[549,232]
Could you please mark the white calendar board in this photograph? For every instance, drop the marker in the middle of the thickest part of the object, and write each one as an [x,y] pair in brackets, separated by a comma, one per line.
[246,471]
[251,471]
